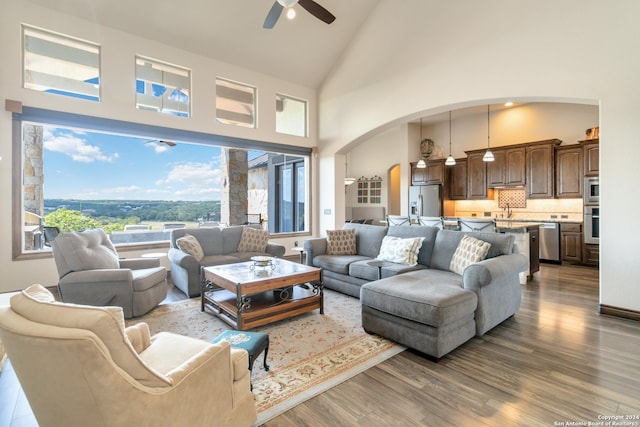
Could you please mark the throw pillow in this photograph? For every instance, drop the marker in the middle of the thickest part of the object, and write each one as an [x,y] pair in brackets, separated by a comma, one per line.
[253,240]
[190,245]
[403,251]
[341,242]
[469,250]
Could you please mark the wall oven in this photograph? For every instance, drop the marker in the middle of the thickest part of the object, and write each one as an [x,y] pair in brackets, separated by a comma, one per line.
[592,190]
[591,224]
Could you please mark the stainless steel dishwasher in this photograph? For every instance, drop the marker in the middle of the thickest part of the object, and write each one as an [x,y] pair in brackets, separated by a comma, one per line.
[550,242]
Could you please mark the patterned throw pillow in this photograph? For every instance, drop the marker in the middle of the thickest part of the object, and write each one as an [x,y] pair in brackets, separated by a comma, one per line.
[403,251]
[190,245]
[469,251]
[341,242]
[253,240]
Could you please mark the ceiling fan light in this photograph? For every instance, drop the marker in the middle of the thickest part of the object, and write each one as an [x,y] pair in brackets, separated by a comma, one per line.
[488,156]
[287,3]
[421,164]
[450,161]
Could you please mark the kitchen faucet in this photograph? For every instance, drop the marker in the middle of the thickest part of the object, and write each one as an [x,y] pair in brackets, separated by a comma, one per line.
[509,211]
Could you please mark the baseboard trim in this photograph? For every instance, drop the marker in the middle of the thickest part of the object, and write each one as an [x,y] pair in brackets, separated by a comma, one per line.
[619,312]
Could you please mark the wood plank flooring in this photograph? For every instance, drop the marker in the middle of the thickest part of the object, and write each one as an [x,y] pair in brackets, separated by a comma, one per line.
[556,361]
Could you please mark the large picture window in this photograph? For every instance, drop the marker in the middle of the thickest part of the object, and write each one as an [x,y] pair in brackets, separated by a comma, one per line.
[138,188]
[60,64]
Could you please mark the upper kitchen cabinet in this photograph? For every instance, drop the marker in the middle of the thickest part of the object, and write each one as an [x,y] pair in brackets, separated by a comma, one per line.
[569,166]
[458,180]
[540,169]
[508,168]
[476,175]
[432,174]
[591,148]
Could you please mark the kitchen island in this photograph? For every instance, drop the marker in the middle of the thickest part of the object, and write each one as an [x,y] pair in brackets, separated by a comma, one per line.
[527,241]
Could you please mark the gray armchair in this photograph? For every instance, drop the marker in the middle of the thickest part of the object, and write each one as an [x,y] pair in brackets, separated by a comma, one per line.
[91,273]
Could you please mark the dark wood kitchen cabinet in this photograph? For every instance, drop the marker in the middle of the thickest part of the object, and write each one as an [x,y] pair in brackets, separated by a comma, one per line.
[432,174]
[591,255]
[568,169]
[591,149]
[476,176]
[458,180]
[508,168]
[540,169]
[571,242]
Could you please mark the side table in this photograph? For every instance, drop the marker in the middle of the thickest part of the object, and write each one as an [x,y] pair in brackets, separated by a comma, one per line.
[253,342]
[378,264]
[300,251]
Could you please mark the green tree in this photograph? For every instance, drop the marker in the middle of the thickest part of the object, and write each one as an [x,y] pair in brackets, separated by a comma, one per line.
[70,220]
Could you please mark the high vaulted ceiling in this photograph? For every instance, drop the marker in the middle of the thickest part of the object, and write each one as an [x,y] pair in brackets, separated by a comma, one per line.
[302,50]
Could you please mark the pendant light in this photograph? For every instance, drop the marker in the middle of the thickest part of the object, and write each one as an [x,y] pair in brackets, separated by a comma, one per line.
[450,160]
[421,163]
[488,156]
[347,180]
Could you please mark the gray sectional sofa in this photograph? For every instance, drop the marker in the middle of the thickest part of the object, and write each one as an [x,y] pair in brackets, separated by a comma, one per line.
[426,306]
[220,246]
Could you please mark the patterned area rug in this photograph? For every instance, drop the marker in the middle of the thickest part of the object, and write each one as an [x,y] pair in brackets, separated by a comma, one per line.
[308,354]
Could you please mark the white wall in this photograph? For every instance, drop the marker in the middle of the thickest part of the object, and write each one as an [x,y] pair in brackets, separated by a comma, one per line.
[416,57]
[118,102]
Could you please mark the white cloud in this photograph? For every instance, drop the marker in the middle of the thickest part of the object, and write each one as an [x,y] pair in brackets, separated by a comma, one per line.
[75,147]
[193,181]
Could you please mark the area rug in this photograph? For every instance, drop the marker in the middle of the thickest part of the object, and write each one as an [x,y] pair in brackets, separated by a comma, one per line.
[308,354]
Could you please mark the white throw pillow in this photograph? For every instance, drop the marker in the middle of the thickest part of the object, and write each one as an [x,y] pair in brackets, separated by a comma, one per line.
[402,251]
[190,245]
[469,251]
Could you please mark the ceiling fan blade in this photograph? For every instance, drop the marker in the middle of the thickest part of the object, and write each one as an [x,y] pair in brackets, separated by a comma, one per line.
[273,15]
[318,11]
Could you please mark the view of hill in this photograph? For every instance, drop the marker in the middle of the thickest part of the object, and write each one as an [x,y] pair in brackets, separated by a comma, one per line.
[142,210]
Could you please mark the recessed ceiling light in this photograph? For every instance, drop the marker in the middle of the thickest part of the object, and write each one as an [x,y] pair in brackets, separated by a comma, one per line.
[508,104]
[291,13]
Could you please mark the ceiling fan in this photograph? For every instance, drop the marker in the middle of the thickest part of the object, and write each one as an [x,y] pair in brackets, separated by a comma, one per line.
[160,141]
[309,5]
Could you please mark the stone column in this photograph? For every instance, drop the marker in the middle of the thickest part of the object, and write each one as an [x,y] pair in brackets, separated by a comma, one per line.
[33,180]
[234,201]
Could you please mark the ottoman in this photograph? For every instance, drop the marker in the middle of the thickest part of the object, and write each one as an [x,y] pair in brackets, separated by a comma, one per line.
[253,342]
[430,315]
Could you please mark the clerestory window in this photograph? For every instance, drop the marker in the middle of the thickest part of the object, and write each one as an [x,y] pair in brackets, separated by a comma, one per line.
[60,64]
[162,87]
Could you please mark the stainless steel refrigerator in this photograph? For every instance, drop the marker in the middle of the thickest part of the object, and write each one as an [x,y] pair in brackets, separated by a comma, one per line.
[425,200]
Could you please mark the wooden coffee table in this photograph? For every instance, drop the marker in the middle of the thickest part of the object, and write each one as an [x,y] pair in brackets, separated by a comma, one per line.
[245,296]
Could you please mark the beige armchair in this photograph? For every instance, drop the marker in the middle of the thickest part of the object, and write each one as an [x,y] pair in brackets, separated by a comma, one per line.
[78,365]
[92,273]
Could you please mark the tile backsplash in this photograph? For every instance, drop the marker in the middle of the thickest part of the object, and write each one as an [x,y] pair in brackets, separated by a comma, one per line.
[536,209]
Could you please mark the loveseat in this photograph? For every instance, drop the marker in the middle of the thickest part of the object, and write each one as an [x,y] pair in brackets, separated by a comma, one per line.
[214,246]
[422,303]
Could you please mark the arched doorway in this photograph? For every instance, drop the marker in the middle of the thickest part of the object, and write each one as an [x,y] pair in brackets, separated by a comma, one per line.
[393,190]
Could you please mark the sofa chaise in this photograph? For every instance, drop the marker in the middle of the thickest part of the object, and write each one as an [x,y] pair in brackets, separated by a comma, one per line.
[214,246]
[424,304]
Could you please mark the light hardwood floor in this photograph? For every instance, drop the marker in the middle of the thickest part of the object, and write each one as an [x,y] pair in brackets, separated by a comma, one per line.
[556,361]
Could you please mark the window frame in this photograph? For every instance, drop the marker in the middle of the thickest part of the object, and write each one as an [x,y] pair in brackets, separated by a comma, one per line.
[63,47]
[161,66]
[96,124]
[305,125]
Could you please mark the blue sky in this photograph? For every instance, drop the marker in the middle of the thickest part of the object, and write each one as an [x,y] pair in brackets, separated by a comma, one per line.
[90,166]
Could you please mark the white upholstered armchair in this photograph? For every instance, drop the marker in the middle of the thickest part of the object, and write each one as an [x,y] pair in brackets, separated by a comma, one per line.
[92,273]
[78,366]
